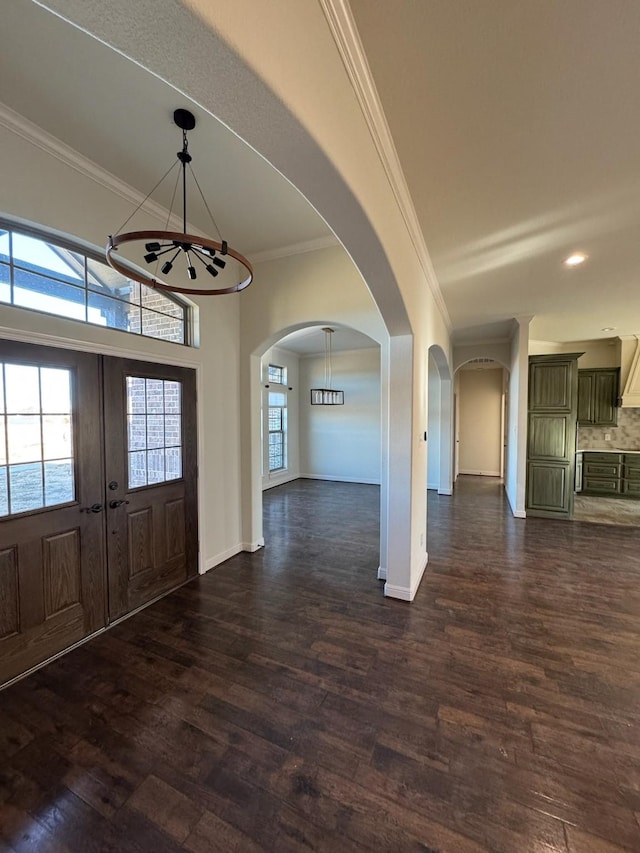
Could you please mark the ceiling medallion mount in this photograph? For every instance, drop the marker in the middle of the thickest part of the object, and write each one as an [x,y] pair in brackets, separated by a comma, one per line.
[185,255]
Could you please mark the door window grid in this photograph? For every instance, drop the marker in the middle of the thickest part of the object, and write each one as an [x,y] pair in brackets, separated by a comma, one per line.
[154,430]
[38,274]
[36,438]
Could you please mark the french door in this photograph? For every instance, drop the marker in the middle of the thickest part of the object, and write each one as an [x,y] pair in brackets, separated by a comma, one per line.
[98,511]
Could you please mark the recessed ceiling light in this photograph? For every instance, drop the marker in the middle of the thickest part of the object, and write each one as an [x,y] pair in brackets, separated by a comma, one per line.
[575,259]
[608,329]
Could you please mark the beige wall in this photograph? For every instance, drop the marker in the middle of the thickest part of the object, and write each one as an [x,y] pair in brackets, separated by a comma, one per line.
[480,430]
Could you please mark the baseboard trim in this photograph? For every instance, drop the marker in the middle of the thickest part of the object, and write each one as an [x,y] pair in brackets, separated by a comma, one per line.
[252,546]
[279,481]
[519,513]
[212,562]
[338,479]
[480,473]
[405,593]
[382,573]
[445,491]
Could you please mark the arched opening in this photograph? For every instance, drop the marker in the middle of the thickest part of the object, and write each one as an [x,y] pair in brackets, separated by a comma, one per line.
[481,388]
[300,443]
[439,423]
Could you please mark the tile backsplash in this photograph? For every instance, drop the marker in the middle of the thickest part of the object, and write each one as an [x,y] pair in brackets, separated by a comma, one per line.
[625,436]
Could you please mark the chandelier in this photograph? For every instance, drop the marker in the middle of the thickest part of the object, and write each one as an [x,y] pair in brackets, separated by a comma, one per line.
[327,396]
[181,256]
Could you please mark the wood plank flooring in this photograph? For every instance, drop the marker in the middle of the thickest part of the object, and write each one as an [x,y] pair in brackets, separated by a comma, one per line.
[281,703]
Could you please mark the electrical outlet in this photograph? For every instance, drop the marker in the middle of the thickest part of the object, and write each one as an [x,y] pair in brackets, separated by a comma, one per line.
[607,436]
[421,539]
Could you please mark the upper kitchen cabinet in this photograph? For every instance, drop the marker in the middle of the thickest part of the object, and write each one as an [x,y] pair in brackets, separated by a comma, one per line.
[598,391]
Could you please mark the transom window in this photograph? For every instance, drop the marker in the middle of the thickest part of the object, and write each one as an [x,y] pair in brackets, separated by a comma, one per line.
[154,430]
[277,375]
[36,438]
[38,273]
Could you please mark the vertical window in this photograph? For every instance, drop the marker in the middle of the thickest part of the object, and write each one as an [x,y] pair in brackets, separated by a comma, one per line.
[36,438]
[154,430]
[277,430]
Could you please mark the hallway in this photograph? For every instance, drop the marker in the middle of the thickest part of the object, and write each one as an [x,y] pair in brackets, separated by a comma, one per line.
[281,703]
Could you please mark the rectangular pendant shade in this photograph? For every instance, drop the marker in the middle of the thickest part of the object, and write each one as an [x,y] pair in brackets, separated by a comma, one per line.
[326,397]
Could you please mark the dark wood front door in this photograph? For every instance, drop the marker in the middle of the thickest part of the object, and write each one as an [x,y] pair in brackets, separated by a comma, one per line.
[150,464]
[98,494]
[52,581]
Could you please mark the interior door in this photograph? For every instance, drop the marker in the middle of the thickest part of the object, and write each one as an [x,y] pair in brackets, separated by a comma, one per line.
[151,476]
[52,581]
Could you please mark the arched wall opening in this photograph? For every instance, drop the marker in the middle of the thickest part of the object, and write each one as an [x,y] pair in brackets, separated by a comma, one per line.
[439,423]
[339,443]
[481,395]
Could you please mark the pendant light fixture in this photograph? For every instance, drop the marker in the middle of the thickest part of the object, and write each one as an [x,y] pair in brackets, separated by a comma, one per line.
[182,258]
[327,396]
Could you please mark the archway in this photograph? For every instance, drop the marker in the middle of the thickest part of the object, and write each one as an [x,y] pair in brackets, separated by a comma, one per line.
[439,423]
[481,417]
[340,443]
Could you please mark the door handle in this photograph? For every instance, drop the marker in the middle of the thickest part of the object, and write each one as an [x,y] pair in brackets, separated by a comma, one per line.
[92,508]
[116,504]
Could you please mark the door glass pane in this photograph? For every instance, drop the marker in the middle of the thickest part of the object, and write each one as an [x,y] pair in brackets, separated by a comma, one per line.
[22,388]
[4,492]
[154,430]
[56,391]
[136,395]
[172,397]
[155,396]
[25,485]
[137,432]
[25,442]
[31,439]
[137,469]
[56,436]
[155,466]
[173,463]
[58,482]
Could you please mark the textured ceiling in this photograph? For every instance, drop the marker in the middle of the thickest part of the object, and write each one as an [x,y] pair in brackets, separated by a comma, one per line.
[119,116]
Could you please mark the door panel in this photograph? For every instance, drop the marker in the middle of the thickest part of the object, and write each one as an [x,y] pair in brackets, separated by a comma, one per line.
[551,436]
[151,445]
[52,568]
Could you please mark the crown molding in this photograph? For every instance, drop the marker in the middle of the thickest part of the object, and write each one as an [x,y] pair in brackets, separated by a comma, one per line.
[345,33]
[31,133]
[326,242]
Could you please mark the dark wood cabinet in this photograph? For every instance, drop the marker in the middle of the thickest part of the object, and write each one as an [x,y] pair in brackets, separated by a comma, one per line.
[551,438]
[598,397]
[611,474]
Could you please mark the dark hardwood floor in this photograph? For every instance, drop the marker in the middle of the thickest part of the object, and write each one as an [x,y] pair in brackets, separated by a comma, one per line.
[280,703]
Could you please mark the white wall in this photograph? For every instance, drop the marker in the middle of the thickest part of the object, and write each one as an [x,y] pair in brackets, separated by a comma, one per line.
[288,359]
[516,461]
[342,442]
[596,353]
[480,422]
